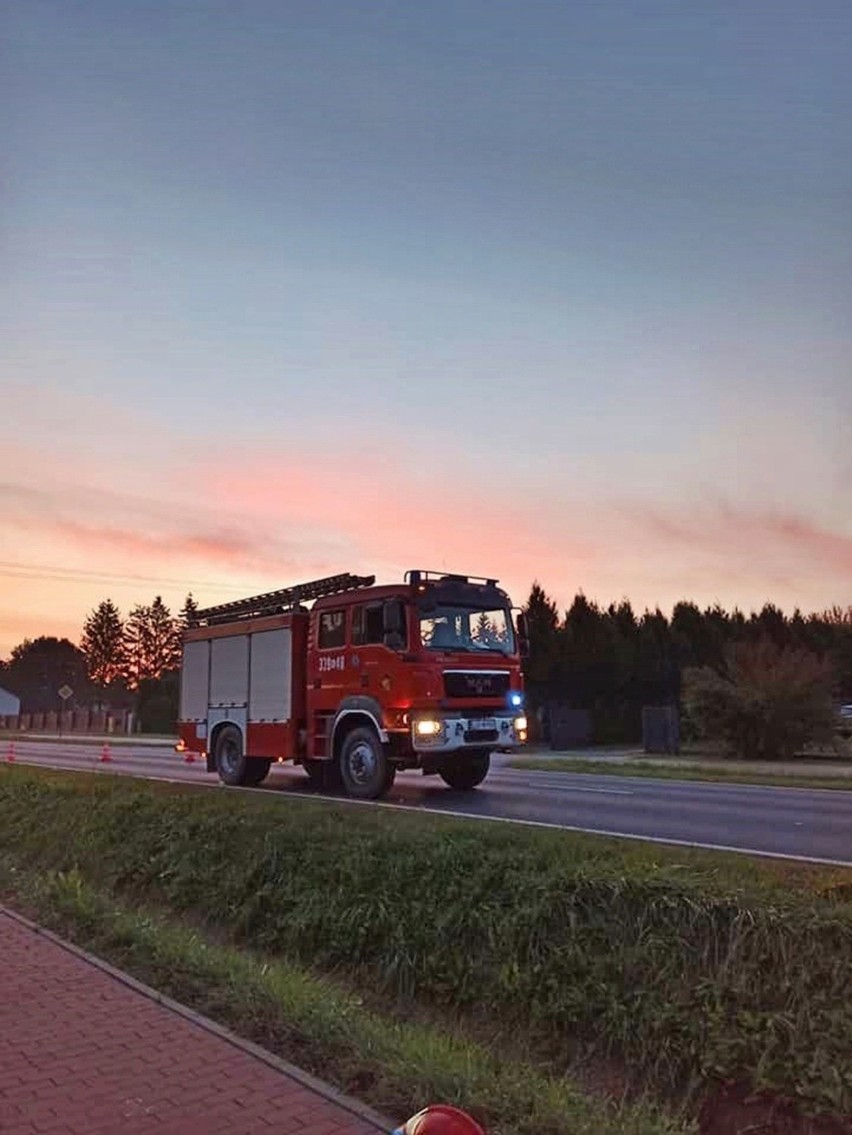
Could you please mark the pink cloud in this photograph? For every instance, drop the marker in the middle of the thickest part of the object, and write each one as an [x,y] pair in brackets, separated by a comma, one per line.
[400,514]
[767,536]
[271,518]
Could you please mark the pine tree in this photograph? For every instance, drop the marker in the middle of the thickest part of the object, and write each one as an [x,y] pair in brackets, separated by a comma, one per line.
[136,653]
[103,643]
[541,669]
[151,642]
[164,639]
[188,611]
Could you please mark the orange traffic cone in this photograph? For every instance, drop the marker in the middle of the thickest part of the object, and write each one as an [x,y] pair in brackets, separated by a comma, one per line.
[106,755]
[440,1120]
[10,753]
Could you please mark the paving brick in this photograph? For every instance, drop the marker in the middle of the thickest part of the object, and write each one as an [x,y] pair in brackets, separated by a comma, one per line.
[81,1053]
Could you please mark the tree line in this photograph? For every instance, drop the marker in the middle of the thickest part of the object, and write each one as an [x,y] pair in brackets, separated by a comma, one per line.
[609,661]
[120,663]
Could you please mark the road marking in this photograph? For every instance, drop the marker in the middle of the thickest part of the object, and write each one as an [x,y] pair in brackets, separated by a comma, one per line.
[422,809]
[580,788]
[690,782]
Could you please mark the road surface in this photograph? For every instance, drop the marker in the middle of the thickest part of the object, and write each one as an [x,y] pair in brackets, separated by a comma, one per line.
[798,823]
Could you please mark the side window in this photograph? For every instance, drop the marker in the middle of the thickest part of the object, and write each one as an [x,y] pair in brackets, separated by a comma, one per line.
[368,625]
[332,629]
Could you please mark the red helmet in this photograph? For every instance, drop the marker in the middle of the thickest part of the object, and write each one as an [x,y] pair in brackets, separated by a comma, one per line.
[441,1120]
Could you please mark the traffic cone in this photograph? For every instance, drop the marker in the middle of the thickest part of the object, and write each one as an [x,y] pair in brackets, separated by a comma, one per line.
[106,756]
[10,753]
[440,1120]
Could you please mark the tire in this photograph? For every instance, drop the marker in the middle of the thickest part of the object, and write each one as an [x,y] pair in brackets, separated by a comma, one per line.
[465,772]
[257,771]
[365,771]
[231,762]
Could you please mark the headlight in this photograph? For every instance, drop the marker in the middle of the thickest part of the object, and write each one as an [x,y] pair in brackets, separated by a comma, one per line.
[428,727]
[520,725]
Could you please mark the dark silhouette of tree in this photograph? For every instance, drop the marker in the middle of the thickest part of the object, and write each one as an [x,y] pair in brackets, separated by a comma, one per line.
[690,636]
[588,654]
[37,670]
[103,643]
[151,643]
[541,668]
[164,641]
[188,611]
[770,624]
[657,677]
[837,623]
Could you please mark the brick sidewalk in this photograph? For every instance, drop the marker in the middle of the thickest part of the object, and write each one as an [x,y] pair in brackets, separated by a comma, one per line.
[82,1053]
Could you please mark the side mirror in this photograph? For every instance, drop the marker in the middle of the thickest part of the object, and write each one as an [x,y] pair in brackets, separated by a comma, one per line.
[523,634]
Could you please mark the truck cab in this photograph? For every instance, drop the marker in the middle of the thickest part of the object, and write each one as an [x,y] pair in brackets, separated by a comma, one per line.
[424,674]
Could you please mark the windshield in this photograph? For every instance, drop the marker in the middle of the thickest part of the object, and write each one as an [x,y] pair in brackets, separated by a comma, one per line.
[467,629]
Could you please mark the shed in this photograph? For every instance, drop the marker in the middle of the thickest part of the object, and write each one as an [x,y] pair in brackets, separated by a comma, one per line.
[10,704]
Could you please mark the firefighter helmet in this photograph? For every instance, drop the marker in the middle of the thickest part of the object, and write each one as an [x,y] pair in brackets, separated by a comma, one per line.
[440,1120]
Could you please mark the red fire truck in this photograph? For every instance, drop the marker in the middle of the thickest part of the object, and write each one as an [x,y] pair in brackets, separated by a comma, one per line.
[421,674]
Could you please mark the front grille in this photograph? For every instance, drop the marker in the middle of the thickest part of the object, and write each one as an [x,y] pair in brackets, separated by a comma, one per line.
[475,684]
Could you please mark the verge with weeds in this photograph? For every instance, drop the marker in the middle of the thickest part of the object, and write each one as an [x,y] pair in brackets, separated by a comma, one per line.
[685,967]
[323,1026]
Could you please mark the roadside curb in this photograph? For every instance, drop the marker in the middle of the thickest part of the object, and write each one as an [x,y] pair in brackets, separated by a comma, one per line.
[318,1087]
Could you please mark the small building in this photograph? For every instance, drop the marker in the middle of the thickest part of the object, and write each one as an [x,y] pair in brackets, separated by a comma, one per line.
[10,704]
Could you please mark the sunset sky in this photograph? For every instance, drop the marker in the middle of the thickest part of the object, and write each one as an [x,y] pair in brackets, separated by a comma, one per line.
[540,289]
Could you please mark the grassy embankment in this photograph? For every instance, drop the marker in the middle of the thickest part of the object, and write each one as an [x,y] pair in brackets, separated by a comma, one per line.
[487,960]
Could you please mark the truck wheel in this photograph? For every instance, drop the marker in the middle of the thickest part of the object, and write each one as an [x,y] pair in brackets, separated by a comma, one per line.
[257,771]
[365,770]
[231,761]
[465,772]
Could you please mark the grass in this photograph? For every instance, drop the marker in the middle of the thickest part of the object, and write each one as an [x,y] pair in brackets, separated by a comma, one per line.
[683,967]
[395,1065]
[681,772]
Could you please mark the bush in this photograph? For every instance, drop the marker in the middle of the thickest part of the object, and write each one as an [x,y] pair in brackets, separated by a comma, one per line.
[157,704]
[765,703]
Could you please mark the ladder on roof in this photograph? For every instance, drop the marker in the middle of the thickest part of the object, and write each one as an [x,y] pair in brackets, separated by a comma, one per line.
[275,602]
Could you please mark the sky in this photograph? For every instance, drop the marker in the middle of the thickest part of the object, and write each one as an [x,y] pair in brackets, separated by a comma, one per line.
[540,290]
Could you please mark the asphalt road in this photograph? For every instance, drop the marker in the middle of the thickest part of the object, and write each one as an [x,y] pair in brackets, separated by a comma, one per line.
[798,823]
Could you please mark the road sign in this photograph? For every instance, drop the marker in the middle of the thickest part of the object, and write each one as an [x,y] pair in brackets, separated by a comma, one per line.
[65,692]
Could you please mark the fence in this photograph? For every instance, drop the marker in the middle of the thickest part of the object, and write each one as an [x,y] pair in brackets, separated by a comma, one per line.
[80,721]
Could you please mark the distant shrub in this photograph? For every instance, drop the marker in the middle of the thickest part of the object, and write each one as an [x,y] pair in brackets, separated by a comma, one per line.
[765,703]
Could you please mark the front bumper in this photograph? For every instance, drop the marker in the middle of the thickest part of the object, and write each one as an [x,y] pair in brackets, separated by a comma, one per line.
[469,731]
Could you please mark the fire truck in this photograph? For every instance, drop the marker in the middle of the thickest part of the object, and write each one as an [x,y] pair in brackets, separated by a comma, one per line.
[354,681]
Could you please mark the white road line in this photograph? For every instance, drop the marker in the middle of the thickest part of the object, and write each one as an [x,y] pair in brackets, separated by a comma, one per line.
[422,810]
[562,786]
[693,782]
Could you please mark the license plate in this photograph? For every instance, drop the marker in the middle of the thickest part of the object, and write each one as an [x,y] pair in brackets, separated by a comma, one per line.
[483,725]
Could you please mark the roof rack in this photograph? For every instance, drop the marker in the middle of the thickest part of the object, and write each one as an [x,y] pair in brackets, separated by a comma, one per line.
[275,602]
[419,575]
